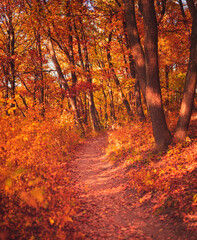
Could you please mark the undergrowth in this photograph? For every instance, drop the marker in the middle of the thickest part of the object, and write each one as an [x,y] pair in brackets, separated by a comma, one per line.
[167,181]
[36,197]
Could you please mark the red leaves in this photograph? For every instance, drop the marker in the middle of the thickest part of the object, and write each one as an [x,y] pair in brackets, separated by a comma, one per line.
[86,86]
[81,87]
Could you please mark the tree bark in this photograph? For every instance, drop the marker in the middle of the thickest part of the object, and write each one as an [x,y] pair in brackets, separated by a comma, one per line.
[10,54]
[105,104]
[40,73]
[111,98]
[147,69]
[139,109]
[135,44]
[190,81]
[167,70]
[116,80]
[153,93]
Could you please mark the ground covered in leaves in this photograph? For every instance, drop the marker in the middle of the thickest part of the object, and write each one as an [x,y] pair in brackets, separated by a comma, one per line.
[36,198]
[53,185]
[114,203]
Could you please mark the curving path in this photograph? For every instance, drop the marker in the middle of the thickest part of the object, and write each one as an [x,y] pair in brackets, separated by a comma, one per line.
[109,210]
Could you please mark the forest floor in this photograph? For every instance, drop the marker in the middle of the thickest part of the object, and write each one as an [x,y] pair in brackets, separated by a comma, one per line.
[109,208]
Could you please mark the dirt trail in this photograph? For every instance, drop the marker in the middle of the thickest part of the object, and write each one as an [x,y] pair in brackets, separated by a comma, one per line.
[108,209]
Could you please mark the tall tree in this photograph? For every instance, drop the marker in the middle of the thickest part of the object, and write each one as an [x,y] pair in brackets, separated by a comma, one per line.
[7,11]
[85,63]
[71,96]
[116,80]
[191,79]
[146,64]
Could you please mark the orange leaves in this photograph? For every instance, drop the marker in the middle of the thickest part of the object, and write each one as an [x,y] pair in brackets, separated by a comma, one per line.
[168,181]
[34,176]
[129,142]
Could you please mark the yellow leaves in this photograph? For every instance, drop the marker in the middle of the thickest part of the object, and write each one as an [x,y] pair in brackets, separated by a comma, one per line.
[67,219]
[195,198]
[51,220]
[38,193]
[19,171]
[8,184]
[34,174]
[61,218]
[25,138]
[126,141]
[34,182]
[65,215]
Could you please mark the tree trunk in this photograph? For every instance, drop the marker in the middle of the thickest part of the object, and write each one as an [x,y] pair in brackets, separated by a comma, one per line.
[116,80]
[190,81]
[135,44]
[6,85]
[40,73]
[93,115]
[111,98]
[11,53]
[147,69]
[71,96]
[86,67]
[153,93]
[167,70]
[139,109]
[105,105]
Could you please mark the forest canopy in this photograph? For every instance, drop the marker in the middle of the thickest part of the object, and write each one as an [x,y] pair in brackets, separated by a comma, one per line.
[99,61]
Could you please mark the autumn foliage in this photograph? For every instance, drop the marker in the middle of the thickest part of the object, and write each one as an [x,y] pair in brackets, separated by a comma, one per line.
[70,69]
[165,181]
[36,197]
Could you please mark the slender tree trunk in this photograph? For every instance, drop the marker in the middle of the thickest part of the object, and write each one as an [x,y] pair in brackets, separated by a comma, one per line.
[6,86]
[40,73]
[11,52]
[139,109]
[86,67]
[85,109]
[167,70]
[116,80]
[71,96]
[71,58]
[35,86]
[111,98]
[190,81]
[24,101]
[135,44]
[120,40]
[105,105]
[110,92]
[93,114]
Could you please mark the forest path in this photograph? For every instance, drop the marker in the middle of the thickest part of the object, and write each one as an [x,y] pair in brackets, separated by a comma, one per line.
[109,210]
